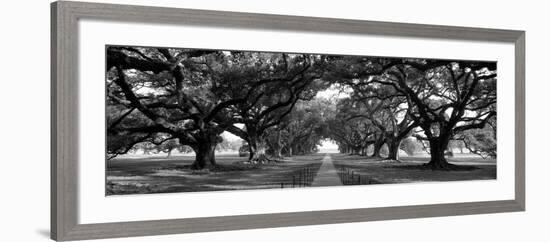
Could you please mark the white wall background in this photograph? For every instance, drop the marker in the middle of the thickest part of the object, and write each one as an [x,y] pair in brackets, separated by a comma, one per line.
[24,105]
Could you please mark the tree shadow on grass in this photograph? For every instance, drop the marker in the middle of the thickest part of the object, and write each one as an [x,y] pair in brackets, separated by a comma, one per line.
[425,167]
[220,167]
[166,177]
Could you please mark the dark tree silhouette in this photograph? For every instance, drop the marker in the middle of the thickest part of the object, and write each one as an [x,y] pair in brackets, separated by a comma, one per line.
[159,93]
[190,96]
[302,130]
[445,98]
[353,133]
[388,112]
[286,80]
[173,98]
[480,141]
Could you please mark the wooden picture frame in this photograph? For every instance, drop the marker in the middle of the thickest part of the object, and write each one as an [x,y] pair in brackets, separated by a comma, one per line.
[64,119]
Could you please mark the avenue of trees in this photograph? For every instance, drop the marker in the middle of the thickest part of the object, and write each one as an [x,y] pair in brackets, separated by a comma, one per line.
[183,99]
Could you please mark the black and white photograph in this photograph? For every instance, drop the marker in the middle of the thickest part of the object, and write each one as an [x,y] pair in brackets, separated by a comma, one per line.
[195,120]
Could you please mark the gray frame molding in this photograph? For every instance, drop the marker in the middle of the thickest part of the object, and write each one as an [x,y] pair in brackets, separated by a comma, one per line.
[64,119]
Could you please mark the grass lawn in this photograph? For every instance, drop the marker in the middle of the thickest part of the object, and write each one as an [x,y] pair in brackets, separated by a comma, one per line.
[156,174]
[160,175]
[411,170]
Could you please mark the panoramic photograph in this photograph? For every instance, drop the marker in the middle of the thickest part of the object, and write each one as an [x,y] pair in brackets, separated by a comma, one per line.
[195,120]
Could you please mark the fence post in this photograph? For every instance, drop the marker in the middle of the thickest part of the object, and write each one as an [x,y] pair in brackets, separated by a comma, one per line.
[307,174]
[310,172]
[303,176]
[344,175]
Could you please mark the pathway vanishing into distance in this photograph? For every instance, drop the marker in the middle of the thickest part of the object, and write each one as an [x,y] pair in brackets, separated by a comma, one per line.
[327,174]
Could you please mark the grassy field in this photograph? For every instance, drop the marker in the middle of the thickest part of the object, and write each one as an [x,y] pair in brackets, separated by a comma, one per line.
[410,169]
[161,175]
[157,174]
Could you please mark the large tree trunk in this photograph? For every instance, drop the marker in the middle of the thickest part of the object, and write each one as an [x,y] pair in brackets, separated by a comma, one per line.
[356,151]
[258,148]
[377,147]
[257,145]
[278,146]
[204,155]
[250,151]
[169,154]
[438,146]
[278,152]
[259,152]
[393,149]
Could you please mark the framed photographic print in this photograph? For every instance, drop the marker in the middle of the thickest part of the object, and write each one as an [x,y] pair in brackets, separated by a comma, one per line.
[169,120]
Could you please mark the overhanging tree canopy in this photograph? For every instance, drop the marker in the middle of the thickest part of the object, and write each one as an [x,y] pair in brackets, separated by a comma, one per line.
[162,96]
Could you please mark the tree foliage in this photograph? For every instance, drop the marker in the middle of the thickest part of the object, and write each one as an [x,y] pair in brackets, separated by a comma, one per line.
[168,99]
